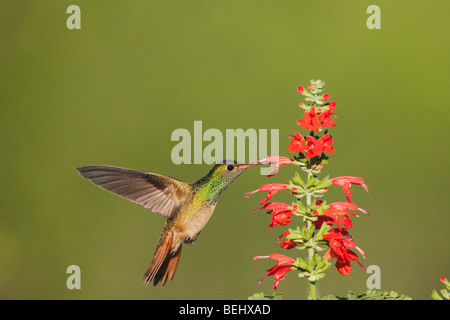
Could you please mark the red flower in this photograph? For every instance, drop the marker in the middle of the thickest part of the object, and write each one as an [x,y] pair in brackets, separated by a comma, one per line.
[298,144]
[326,97]
[325,118]
[327,143]
[346,181]
[310,121]
[315,147]
[334,214]
[279,161]
[339,248]
[284,265]
[347,206]
[332,105]
[321,220]
[287,244]
[281,213]
[300,89]
[331,216]
[338,213]
[271,188]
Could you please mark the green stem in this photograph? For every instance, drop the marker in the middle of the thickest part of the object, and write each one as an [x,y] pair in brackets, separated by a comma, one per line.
[311,251]
[309,174]
[313,291]
[308,199]
[311,255]
[308,195]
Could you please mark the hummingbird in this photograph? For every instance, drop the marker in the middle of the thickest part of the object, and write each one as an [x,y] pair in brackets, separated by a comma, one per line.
[187,207]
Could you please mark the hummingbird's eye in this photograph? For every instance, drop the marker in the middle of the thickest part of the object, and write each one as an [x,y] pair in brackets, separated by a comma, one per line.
[230,167]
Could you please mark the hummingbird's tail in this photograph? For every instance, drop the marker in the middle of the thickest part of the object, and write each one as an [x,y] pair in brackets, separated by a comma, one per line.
[164,262]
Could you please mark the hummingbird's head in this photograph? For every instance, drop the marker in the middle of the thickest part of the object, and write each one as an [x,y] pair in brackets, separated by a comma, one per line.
[224,173]
[229,170]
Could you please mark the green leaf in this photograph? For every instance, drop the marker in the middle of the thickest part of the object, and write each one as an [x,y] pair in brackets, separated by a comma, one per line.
[300,207]
[312,180]
[324,183]
[298,180]
[323,229]
[301,264]
[310,231]
[436,295]
[323,265]
[295,235]
[306,233]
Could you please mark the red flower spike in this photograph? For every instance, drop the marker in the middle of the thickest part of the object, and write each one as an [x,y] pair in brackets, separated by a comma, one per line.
[310,121]
[298,144]
[346,181]
[284,265]
[318,114]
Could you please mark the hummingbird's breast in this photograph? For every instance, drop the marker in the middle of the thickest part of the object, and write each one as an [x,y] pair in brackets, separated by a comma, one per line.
[191,219]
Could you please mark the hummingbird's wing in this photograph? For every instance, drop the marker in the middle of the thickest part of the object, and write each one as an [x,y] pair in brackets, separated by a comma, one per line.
[152,191]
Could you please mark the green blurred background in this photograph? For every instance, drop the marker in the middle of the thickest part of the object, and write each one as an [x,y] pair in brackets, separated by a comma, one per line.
[114,91]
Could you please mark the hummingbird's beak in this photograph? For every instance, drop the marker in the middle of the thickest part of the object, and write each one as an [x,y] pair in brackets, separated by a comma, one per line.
[258,163]
[251,164]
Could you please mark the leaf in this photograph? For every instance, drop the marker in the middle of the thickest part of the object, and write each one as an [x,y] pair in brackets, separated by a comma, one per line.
[311,182]
[295,235]
[298,180]
[436,295]
[301,264]
[310,231]
[324,183]
[323,265]
[300,207]
[323,229]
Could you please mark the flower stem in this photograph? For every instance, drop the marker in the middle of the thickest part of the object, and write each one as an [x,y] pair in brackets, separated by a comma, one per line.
[311,259]
[313,290]
[308,195]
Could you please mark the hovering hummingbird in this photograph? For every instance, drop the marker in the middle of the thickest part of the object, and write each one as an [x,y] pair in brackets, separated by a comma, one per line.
[187,207]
